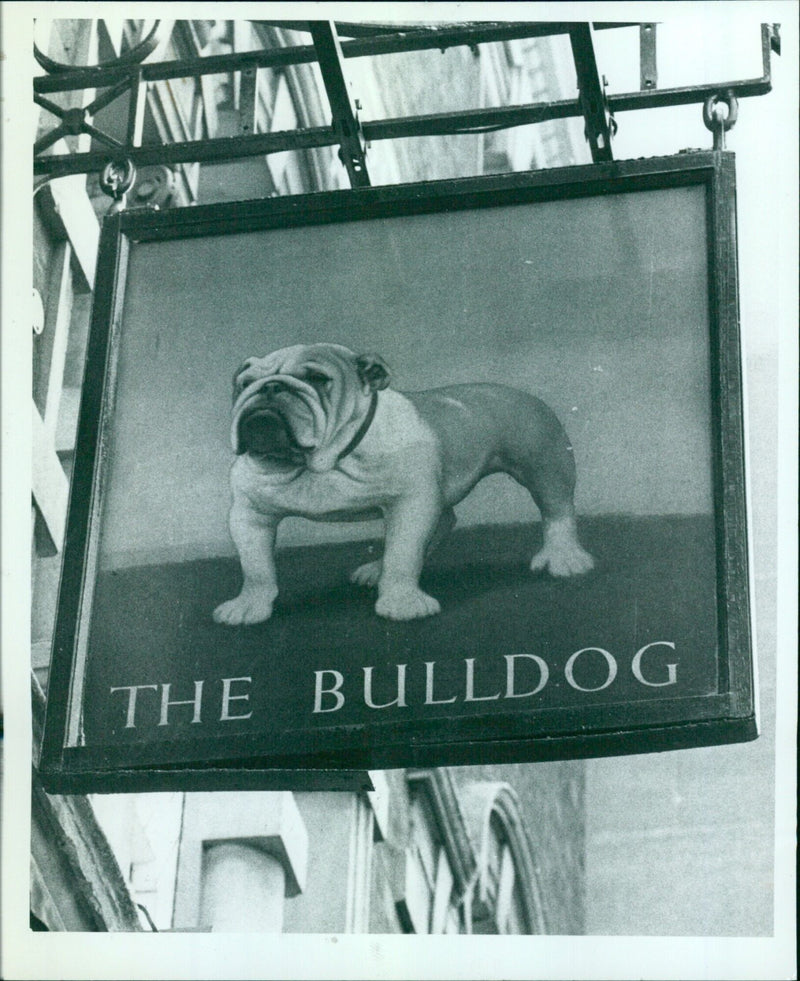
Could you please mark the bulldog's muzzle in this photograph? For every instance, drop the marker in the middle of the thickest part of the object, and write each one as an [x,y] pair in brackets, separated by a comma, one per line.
[275,417]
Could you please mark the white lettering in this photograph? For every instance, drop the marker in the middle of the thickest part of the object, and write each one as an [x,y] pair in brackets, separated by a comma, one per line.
[429,699]
[544,674]
[526,675]
[636,666]
[133,690]
[400,701]
[470,695]
[196,702]
[319,691]
[612,668]
[227,698]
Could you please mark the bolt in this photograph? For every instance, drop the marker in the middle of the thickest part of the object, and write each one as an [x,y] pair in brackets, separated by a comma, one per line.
[73,120]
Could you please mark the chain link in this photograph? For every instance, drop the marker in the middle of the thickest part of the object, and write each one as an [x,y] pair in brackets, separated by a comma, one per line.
[716,119]
[116,180]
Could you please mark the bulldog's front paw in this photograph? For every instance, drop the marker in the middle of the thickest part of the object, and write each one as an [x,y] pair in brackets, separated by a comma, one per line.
[563,560]
[405,603]
[367,574]
[250,607]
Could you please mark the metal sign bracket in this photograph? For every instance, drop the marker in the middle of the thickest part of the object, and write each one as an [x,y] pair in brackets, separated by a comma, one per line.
[332,44]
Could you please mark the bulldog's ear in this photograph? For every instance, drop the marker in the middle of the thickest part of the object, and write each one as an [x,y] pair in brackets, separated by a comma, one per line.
[373,372]
[236,385]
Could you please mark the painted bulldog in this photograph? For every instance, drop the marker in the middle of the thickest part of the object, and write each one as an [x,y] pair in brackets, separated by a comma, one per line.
[318,433]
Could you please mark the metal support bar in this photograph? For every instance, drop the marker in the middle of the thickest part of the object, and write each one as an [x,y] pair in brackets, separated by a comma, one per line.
[231,148]
[375,28]
[694,94]
[245,83]
[101,137]
[345,119]
[107,97]
[46,141]
[385,44]
[469,120]
[247,101]
[53,108]
[592,96]
[648,69]
[420,40]
[434,124]
[192,151]
[683,96]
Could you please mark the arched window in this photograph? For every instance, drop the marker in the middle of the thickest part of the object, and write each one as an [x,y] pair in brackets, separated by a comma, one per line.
[439,861]
[505,895]
[469,866]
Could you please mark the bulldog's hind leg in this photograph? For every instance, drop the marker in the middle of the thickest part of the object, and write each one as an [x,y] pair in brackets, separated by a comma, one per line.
[550,479]
[561,554]
[369,573]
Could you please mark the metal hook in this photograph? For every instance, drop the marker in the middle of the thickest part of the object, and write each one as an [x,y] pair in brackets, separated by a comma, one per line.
[713,119]
[116,180]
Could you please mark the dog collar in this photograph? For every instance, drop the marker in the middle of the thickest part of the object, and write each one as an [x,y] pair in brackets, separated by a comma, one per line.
[361,432]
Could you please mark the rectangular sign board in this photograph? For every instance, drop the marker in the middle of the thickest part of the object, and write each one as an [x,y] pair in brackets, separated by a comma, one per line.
[585,314]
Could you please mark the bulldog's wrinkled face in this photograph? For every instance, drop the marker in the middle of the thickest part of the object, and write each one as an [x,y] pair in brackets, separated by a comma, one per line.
[297,406]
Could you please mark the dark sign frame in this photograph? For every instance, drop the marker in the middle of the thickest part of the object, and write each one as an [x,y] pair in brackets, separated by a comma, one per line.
[343,752]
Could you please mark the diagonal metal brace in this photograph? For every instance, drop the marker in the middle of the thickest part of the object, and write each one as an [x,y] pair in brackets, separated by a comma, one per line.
[592,96]
[345,118]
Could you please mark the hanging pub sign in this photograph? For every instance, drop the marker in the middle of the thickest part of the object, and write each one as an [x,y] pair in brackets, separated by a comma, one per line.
[435,474]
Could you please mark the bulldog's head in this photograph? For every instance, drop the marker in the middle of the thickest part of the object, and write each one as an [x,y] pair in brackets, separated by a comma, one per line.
[302,405]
